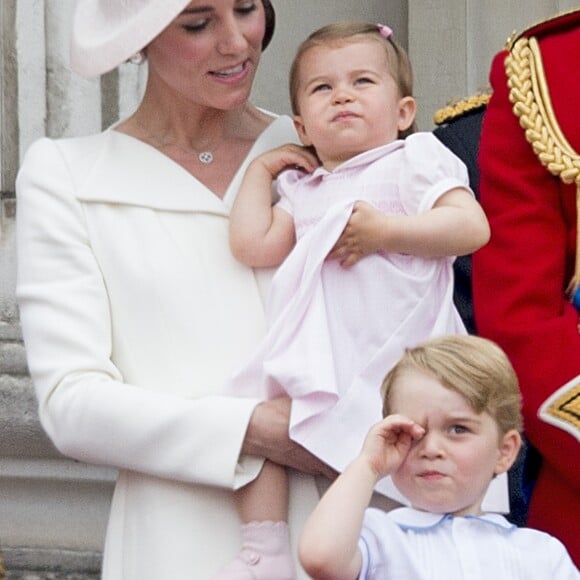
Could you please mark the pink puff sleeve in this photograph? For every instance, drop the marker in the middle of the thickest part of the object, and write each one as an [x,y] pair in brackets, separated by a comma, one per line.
[428,170]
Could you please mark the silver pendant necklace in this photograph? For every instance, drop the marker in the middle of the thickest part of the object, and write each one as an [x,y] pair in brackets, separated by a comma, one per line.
[204,157]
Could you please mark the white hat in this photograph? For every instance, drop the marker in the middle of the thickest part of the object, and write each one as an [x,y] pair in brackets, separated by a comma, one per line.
[106,33]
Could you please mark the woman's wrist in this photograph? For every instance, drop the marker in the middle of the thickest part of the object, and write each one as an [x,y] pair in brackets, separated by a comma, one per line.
[253,444]
[268,424]
[267,436]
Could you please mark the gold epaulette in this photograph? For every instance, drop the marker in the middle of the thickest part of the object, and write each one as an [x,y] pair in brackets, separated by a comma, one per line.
[543,27]
[529,93]
[459,107]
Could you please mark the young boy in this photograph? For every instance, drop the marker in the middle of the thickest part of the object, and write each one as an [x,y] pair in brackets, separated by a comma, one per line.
[452,423]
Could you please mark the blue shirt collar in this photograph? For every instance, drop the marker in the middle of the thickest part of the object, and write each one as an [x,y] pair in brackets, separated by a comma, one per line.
[410,518]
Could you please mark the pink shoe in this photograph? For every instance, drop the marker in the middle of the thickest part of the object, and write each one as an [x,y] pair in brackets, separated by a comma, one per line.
[265,554]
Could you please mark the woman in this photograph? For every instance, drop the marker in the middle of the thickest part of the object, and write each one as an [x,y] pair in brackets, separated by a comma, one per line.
[133,310]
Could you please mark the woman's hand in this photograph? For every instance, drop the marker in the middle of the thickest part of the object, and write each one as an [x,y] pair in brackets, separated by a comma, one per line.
[267,436]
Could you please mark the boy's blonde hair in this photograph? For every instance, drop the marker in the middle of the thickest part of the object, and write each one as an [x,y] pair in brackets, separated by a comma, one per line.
[341,33]
[474,367]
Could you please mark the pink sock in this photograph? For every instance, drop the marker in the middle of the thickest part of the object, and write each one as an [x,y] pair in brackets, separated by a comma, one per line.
[265,554]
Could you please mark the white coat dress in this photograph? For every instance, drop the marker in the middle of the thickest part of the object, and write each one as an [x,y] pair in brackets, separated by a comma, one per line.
[133,313]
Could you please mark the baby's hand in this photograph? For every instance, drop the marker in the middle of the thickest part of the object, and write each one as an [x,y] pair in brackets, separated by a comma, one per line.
[388,442]
[284,157]
[362,235]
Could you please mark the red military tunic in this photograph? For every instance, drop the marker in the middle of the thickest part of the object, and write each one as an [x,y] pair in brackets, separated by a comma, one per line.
[520,278]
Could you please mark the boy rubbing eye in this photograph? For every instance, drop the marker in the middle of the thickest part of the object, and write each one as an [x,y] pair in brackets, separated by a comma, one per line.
[451,423]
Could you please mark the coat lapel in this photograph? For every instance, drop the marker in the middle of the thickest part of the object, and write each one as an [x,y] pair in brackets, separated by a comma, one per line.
[123,170]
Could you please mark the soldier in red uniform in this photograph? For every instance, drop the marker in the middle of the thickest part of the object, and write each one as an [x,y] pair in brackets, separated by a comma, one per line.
[525,281]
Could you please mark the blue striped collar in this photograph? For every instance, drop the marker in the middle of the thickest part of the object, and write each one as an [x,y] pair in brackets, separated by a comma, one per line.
[410,518]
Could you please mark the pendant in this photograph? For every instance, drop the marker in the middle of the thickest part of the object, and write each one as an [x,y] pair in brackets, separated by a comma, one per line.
[205,157]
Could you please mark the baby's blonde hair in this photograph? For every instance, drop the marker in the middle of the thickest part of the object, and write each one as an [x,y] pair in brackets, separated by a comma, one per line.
[341,33]
[474,367]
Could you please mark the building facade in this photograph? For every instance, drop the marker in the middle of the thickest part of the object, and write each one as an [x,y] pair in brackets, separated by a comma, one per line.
[53,511]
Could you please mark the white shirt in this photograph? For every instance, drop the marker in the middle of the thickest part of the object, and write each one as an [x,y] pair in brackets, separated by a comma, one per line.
[407,544]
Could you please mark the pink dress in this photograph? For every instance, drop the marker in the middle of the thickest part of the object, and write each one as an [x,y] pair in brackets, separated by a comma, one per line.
[334,332]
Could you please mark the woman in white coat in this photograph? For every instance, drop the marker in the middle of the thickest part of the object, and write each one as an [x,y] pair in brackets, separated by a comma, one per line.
[133,310]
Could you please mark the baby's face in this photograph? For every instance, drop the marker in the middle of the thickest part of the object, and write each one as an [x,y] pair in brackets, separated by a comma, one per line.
[348,99]
[450,468]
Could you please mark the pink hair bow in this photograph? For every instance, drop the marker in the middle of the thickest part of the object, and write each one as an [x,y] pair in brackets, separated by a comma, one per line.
[384,30]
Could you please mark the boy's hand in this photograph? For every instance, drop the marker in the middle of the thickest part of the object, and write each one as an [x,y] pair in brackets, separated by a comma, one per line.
[388,443]
[363,235]
[290,155]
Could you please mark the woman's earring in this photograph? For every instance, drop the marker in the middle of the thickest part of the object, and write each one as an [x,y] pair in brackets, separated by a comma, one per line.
[138,58]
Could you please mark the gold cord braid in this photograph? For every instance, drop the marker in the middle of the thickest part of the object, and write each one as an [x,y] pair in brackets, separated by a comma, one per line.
[532,105]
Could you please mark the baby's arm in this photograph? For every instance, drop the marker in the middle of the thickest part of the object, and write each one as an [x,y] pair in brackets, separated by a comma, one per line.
[455,226]
[329,542]
[262,235]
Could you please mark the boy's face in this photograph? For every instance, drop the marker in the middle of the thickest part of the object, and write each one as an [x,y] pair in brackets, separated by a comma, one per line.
[348,100]
[450,468]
